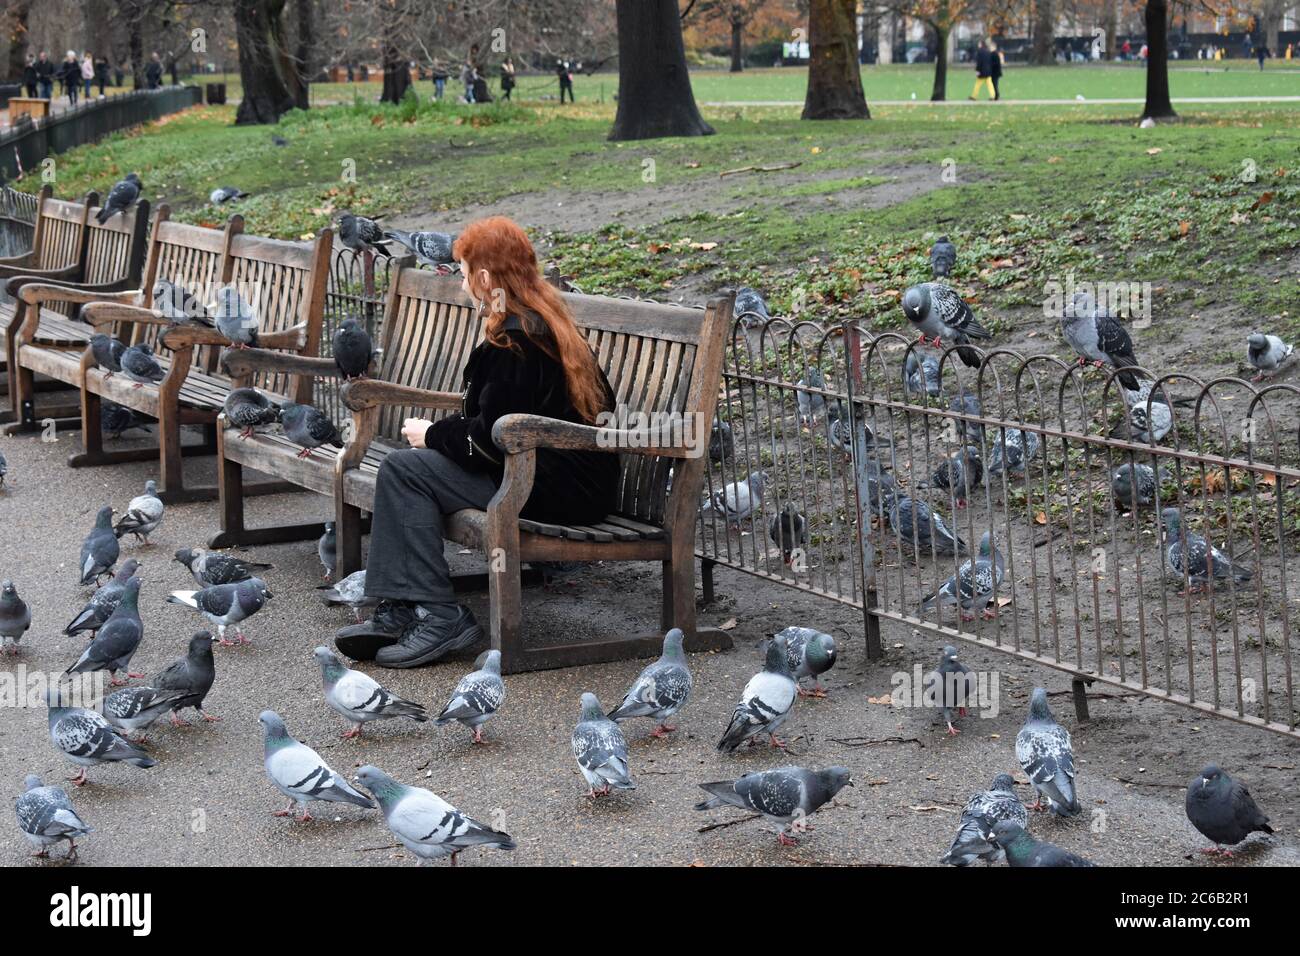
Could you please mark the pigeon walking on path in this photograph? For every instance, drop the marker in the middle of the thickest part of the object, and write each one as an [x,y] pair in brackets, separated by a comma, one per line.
[213,567]
[939,313]
[227,605]
[430,248]
[983,811]
[86,739]
[1266,353]
[1223,810]
[248,409]
[973,586]
[189,679]
[143,515]
[789,532]
[15,617]
[134,709]
[46,817]
[1189,557]
[765,702]
[352,349]
[600,749]
[120,198]
[1023,850]
[117,641]
[103,602]
[478,695]
[1098,337]
[359,698]
[808,653]
[299,772]
[1043,749]
[786,795]
[100,550]
[309,427]
[943,257]
[327,549]
[955,684]
[350,591]
[662,688]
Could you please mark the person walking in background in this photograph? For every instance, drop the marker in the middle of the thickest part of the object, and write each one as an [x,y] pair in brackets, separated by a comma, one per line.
[87,73]
[1126,50]
[45,75]
[70,76]
[1261,53]
[983,71]
[995,68]
[30,79]
[153,72]
[101,74]
[439,80]
[565,75]
[467,80]
[507,77]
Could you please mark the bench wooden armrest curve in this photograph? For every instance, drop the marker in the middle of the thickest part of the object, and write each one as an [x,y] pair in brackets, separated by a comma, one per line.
[240,363]
[518,433]
[37,292]
[360,394]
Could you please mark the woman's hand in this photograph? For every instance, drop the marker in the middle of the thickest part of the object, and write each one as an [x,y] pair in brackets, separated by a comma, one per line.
[414,429]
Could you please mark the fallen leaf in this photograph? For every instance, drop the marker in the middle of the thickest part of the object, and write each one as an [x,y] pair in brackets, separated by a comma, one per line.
[1263,200]
[1053,159]
[1183,227]
[880,700]
[1154,150]
[705,246]
[728,624]
[1040,518]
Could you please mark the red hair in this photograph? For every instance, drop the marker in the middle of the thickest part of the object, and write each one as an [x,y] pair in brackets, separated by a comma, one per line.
[516,287]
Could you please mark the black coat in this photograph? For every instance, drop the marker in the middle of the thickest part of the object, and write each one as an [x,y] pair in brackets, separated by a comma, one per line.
[570,487]
[45,69]
[995,64]
[982,67]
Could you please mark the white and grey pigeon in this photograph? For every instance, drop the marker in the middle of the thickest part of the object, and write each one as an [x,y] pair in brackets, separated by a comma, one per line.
[426,824]
[46,817]
[234,317]
[309,427]
[140,366]
[939,313]
[809,653]
[662,688]
[116,642]
[973,586]
[750,308]
[214,567]
[227,605]
[921,530]
[786,795]
[1012,451]
[1223,810]
[1133,486]
[1043,749]
[1266,353]
[430,248]
[248,409]
[350,591]
[86,739]
[143,515]
[922,376]
[478,695]
[739,500]
[132,709]
[789,532]
[15,617]
[299,772]
[224,194]
[600,749]
[1189,557]
[943,257]
[327,549]
[103,602]
[953,683]
[812,405]
[1098,337]
[982,812]
[120,197]
[361,234]
[1142,425]
[765,702]
[358,697]
[100,550]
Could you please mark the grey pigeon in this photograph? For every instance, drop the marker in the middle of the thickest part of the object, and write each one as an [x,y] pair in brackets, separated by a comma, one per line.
[353,350]
[967,402]
[107,352]
[46,817]
[939,313]
[120,198]
[213,567]
[1023,850]
[299,772]
[973,586]
[943,257]
[4,469]
[812,405]
[1189,555]
[1043,749]
[809,653]
[247,409]
[740,499]
[750,307]
[424,823]
[234,317]
[722,444]
[662,688]
[360,698]
[15,617]
[1266,353]
[600,749]
[143,515]
[175,303]
[922,531]
[922,377]
[960,474]
[1142,424]
[1223,810]
[189,678]
[116,420]
[1098,337]
[1133,486]
[224,194]
[788,531]
[86,739]
[430,248]
[786,795]
[103,602]
[116,641]
[361,234]
[839,431]
[478,695]
[327,549]
[881,490]
[350,591]
[227,605]
[1012,451]
[100,550]
[953,683]
[139,365]
[307,426]
[765,702]
[982,812]
[132,709]
[277,140]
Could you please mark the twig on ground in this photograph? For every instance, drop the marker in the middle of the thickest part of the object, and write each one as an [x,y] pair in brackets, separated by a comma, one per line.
[758,169]
[867,742]
[1152,783]
[728,823]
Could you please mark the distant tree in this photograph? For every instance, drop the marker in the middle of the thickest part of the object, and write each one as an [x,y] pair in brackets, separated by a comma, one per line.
[654,88]
[304,53]
[264,66]
[940,16]
[394,17]
[1043,48]
[834,77]
[1156,17]
[14,20]
[737,14]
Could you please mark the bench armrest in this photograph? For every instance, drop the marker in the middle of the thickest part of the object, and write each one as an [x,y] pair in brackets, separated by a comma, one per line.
[35,293]
[241,363]
[360,394]
[519,433]
[105,313]
[66,273]
[18,261]
[188,334]
[13,285]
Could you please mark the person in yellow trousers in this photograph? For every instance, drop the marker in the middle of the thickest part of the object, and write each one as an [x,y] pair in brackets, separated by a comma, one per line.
[983,71]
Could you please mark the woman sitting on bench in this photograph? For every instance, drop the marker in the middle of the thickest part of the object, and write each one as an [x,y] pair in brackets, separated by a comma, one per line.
[533,360]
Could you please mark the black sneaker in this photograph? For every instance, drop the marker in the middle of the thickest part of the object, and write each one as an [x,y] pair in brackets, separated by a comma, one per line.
[430,639]
[362,642]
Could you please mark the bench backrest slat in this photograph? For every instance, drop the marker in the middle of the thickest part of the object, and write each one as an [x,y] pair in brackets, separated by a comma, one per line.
[190,257]
[116,249]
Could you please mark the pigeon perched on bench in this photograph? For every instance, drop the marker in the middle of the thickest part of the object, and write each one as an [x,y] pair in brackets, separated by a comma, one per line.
[141,367]
[107,352]
[248,409]
[1223,810]
[120,198]
[309,427]
[430,248]
[362,235]
[939,313]
[234,317]
[352,349]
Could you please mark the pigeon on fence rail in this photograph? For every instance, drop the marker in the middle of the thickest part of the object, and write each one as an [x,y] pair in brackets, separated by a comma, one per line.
[190,678]
[939,313]
[15,617]
[661,689]
[116,420]
[954,683]
[1223,810]
[46,817]
[921,530]
[103,602]
[213,567]
[943,257]
[143,515]
[922,376]
[600,749]
[430,248]
[107,352]
[362,235]
[327,549]
[224,194]
[86,739]
[961,473]
[120,198]
[1190,555]
[1133,486]
[352,349]
[247,409]
[765,702]
[1023,850]
[359,698]
[982,812]
[786,795]
[100,550]
[133,709]
[226,605]
[234,317]
[973,586]
[1266,353]
[478,695]
[789,532]
[299,772]
[140,366]
[1012,451]
[809,653]
[117,640]
[1043,749]
[309,427]
[1098,337]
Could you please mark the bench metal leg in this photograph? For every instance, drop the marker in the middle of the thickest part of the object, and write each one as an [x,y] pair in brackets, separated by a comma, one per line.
[348,529]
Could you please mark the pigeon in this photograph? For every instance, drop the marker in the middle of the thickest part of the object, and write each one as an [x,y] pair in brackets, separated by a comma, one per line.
[227,605]
[1133,486]
[722,444]
[1188,555]
[1012,451]
[4,469]
[224,194]
[740,499]
[882,490]
[234,317]
[116,420]
[812,405]
[359,697]
[839,431]
[141,367]
[300,773]
[478,695]
[750,308]
[116,640]
[765,702]
[960,474]
[103,602]
[953,681]
[786,795]
[938,311]
[430,248]
[789,532]
[189,679]
[1043,749]
[1098,337]
[426,824]
[15,617]
[247,408]
[133,709]
[327,549]
[172,302]
[921,530]
[1139,425]
[809,653]
[982,812]
[305,425]
[967,403]
[974,585]
[87,739]
[921,377]
[600,749]
[120,198]
[212,567]
[1023,850]
[100,550]
[361,234]
[662,688]
[143,515]
[277,140]
[1266,353]
[353,350]
[107,352]
[350,591]
[943,257]
[1223,810]
[45,816]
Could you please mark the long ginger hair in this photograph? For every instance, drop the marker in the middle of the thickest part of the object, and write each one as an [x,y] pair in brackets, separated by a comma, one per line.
[515,286]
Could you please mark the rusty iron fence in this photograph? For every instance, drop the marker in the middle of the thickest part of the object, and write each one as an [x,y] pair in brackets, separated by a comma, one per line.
[828,417]
[357,289]
[17,224]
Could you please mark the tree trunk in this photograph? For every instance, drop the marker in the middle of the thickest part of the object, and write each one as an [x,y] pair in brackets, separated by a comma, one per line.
[654,88]
[397,73]
[1110,17]
[834,77]
[940,92]
[305,11]
[1156,17]
[737,45]
[1272,25]
[1044,47]
[259,30]
[16,33]
[135,43]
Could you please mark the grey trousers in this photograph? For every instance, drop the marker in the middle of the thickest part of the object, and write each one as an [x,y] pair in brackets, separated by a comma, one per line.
[417,488]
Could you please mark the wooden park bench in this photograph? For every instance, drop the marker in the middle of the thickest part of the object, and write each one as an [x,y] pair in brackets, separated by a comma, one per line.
[658,359]
[69,249]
